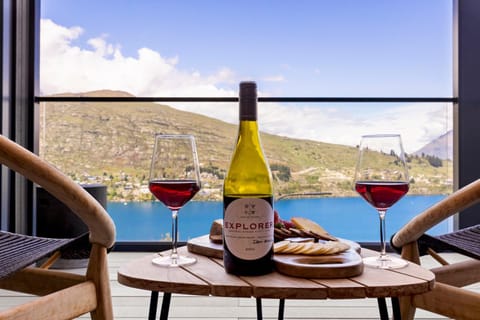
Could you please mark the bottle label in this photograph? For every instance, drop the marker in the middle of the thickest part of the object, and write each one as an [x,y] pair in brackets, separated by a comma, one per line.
[248,228]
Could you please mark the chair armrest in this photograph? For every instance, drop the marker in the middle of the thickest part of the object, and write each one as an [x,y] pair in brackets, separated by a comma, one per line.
[19,159]
[457,201]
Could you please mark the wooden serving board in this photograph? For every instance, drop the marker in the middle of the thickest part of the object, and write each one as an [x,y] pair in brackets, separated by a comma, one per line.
[342,265]
[203,246]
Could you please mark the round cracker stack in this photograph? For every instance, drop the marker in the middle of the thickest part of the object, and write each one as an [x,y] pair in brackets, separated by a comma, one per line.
[310,248]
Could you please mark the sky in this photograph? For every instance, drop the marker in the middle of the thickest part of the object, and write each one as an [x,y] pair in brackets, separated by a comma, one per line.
[319,48]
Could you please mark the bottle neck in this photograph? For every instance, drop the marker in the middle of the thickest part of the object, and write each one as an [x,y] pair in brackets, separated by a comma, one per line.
[248,101]
[248,135]
[249,127]
[248,111]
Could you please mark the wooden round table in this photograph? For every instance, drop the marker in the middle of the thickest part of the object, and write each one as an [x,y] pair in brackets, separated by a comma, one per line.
[208,277]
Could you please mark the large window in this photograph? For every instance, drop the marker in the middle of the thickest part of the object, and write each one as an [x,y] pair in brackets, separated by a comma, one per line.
[328,72]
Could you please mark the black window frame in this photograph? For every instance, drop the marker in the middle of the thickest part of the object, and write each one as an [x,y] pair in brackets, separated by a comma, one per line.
[20,103]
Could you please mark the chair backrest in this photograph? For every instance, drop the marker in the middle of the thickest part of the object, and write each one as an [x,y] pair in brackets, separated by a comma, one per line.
[450,205]
[19,159]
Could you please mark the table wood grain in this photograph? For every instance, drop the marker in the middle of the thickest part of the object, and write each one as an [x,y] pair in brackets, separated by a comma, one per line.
[208,277]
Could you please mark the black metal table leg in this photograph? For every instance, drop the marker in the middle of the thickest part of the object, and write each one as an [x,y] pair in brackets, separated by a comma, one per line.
[167,296]
[382,308]
[259,309]
[396,309]
[152,312]
[281,309]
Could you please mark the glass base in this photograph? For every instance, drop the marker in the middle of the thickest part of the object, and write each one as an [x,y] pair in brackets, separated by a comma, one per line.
[173,261]
[385,262]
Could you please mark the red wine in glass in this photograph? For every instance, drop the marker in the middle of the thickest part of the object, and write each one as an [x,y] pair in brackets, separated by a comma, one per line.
[174,193]
[381,178]
[174,180]
[381,194]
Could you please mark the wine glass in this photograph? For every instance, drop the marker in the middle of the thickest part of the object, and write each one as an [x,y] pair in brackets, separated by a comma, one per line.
[174,180]
[381,178]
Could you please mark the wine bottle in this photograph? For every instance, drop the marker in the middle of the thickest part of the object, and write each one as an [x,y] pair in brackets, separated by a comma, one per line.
[248,197]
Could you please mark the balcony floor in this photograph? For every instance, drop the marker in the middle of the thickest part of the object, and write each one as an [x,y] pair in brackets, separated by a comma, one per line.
[129,303]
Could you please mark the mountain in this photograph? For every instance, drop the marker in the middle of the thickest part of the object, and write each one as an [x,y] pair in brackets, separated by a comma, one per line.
[111,143]
[441,147]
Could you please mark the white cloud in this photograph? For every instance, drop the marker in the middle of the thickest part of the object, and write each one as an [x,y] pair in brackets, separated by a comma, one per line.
[55,38]
[101,47]
[417,123]
[66,67]
[277,78]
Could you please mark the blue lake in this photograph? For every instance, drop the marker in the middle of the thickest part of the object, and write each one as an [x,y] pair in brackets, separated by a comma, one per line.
[350,218]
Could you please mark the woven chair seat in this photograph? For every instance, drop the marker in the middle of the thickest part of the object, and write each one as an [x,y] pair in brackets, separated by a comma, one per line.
[19,251]
[465,241]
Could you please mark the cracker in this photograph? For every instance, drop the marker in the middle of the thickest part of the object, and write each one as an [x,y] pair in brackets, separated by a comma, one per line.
[280,246]
[310,248]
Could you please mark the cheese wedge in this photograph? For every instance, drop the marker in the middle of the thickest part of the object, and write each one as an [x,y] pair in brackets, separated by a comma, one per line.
[308,225]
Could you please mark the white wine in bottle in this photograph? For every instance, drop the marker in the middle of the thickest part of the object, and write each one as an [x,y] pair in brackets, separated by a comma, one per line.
[248,197]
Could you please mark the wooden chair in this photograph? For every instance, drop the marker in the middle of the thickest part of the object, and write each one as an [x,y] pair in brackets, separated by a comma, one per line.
[447,298]
[62,295]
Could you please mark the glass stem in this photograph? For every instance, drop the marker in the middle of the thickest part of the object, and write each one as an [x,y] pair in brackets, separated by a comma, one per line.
[383,252]
[174,233]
